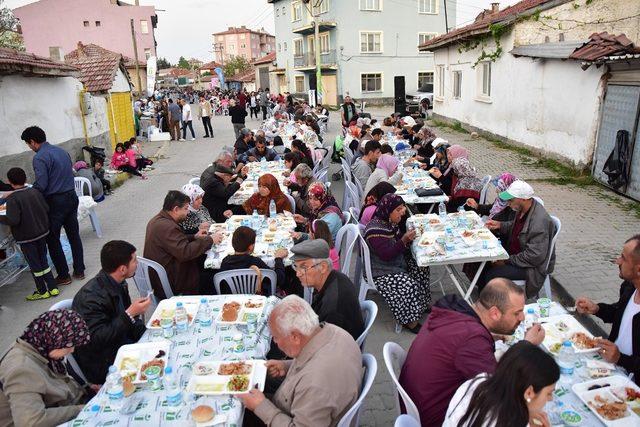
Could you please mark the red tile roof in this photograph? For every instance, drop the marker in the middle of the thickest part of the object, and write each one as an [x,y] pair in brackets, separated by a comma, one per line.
[94,50]
[13,61]
[244,77]
[98,73]
[602,45]
[210,66]
[485,20]
[265,59]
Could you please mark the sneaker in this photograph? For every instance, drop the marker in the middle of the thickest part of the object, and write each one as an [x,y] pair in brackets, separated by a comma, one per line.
[54,292]
[181,139]
[193,139]
[63,280]
[38,296]
[78,276]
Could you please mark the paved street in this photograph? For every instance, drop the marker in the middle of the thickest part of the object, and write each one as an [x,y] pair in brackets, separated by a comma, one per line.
[594,229]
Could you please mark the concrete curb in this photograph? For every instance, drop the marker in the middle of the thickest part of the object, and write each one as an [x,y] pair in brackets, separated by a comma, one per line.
[122,177]
[567,300]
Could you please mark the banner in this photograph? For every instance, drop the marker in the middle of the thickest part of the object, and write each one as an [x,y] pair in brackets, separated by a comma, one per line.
[152,68]
[220,74]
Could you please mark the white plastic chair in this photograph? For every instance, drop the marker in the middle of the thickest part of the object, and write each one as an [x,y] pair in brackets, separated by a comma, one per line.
[348,233]
[142,279]
[79,182]
[360,189]
[394,357]
[486,181]
[348,154]
[547,280]
[405,420]
[352,416]
[244,280]
[292,201]
[195,181]
[321,175]
[66,304]
[355,214]
[346,169]
[366,283]
[353,198]
[369,313]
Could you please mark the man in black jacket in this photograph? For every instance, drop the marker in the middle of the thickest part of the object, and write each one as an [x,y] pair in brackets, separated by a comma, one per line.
[217,192]
[238,114]
[104,303]
[623,345]
[244,142]
[259,152]
[335,300]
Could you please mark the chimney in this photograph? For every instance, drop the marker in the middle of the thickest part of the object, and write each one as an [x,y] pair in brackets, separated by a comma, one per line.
[137,2]
[81,52]
[495,8]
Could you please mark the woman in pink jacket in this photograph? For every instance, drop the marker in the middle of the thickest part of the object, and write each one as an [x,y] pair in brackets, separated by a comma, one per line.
[125,160]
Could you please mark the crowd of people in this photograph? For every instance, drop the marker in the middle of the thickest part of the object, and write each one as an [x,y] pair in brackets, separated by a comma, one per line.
[451,372]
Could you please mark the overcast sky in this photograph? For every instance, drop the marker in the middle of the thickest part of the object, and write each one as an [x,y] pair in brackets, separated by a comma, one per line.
[185,26]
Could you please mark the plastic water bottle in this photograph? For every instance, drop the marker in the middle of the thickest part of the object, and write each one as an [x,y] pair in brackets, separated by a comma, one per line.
[114,388]
[182,320]
[204,313]
[255,219]
[272,209]
[442,212]
[166,323]
[172,388]
[461,209]
[566,362]
[530,318]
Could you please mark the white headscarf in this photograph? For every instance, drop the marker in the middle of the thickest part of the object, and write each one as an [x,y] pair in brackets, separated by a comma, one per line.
[193,191]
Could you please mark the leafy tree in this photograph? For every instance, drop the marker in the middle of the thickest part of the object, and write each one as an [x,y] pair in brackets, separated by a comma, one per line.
[9,36]
[163,63]
[236,65]
[183,63]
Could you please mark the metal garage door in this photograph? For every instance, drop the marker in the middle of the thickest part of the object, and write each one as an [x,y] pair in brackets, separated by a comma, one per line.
[620,112]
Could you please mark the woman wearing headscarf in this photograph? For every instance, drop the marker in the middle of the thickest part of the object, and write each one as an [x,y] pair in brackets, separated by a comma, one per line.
[386,170]
[299,147]
[464,182]
[198,214]
[36,387]
[371,200]
[499,210]
[82,170]
[268,190]
[323,206]
[404,286]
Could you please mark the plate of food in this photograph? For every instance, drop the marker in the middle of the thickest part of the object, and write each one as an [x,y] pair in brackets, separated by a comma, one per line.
[566,327]
[430,238]
[167,308]
[224,377]
[614,400]
[133,359]
[236,310]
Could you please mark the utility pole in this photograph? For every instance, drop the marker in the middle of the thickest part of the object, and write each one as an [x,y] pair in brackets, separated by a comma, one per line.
[316,42]
[219,47]
[135,54]
[446,18]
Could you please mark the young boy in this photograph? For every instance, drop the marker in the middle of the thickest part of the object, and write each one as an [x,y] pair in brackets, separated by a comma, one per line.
[27,215]
[97,168]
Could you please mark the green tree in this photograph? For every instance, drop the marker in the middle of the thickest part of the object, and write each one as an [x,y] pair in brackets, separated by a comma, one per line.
[236,65]
[163,63]
[183,63]
[9,36]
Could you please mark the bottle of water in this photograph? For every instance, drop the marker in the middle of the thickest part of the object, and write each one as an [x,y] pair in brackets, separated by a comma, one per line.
[114,388]
[172,388]
[204,313]
[182,320]
[461,209]
[530,318]
[566,362]
[442,212]
[272,209]
[166,323]
[255,219]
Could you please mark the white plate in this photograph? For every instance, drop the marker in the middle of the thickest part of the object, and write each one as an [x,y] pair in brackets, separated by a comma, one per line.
[169,304]
[219,382]
[554,335]
[586,395]
[142,352]
[242,300]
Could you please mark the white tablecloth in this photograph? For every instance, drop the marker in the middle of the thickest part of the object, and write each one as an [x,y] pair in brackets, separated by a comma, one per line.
[250,185]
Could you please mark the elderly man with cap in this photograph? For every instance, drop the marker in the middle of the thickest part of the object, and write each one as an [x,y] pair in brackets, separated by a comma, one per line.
[527,240]
[226,159]
[217,191]
[322,381]
[335,299]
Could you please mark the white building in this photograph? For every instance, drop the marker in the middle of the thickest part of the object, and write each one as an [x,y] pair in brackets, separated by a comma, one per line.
[363,45]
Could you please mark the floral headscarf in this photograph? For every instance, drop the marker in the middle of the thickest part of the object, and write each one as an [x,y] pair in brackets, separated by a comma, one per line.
[388,164]
[328,204]
[467,179]
[380,226]
[193,191]
[56,329]
[80,165]
[456,152]
[261,204]
[502,183]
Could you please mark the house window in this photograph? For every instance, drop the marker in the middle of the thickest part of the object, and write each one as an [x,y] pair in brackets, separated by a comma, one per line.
[457,84]
[425,78]
[147,53]
[297,47]
[85,23]
[98,23]
[425,37]
[371,82]
[428,6]
[440,72]
[485,71]
[323,7]
[371,42]
[296,11]
[243,46]
[299,84]
[284,11]
[144,27]
[324,43]
[277,10]
[242,36]
[372,5]
[311,45]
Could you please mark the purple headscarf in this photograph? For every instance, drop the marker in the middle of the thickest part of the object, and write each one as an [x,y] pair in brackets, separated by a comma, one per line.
[388,164]
[502,183]
[380,225]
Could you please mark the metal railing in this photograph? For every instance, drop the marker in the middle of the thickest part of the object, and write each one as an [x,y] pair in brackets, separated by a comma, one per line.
[308,59]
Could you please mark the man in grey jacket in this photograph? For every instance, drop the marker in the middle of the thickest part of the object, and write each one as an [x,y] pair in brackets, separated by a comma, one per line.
[527,240]
[364,166]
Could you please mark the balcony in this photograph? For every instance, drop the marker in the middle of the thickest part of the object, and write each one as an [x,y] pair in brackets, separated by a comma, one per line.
[328,60]
[307,27]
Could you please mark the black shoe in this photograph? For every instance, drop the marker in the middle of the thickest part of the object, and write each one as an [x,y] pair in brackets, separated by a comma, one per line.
[61,281]
[413,330]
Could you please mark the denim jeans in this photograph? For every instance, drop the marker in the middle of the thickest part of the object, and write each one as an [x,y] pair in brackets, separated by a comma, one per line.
[63,212]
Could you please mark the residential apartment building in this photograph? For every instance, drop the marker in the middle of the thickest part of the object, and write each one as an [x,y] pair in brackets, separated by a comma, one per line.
[53,28]
[242,41]
[363,45]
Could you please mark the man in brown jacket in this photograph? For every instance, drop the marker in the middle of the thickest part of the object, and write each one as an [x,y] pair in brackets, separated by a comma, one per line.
[322,381]
[166,244]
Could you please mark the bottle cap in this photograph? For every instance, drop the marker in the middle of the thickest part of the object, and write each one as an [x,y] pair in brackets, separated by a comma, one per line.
[168,370]
[95,408]
[179,304]
[530,311]
[203,300]
[112,369]
[567,343]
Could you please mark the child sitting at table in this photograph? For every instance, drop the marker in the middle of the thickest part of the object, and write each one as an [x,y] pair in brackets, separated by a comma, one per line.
[320,230]
[28,216]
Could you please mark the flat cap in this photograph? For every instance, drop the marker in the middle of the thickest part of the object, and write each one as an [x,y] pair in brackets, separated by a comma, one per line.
[309,249]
